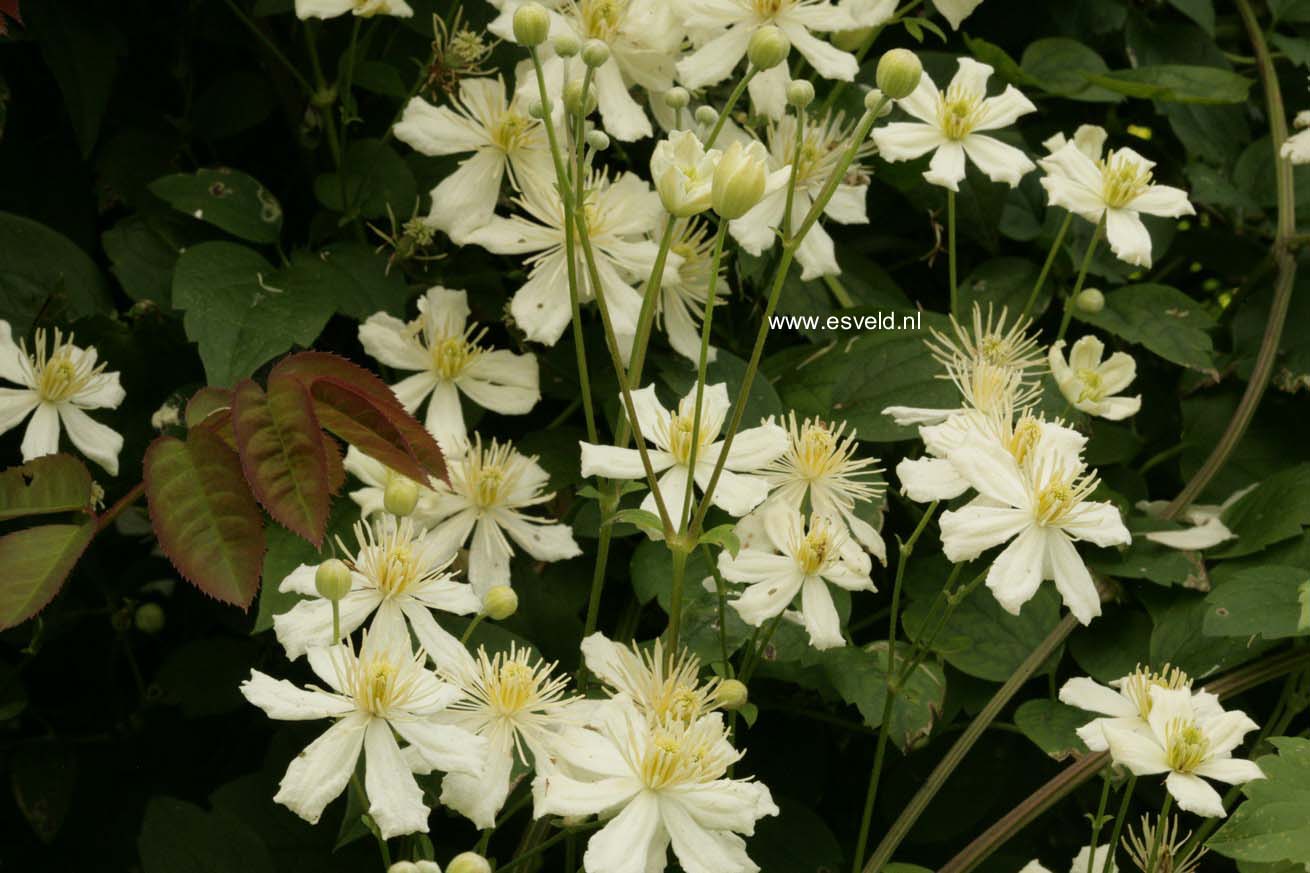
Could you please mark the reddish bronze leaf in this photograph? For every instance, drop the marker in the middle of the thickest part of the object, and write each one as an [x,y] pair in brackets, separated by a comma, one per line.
[205,403]
[283,454]
[336,472]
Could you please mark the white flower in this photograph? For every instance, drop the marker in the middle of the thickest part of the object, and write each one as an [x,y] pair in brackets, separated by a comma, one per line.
[1040,508]
[951,124]
[955,11]
[373,697]
[822,148]
[620,214]
[397,571]
[489,487]
[1128,701]
[1296,148]
[57,386]
[663,782]
[661,686]
[683,172]
[1208,528]
[496,128]
[680,308]
[729,25]
[820,464]
[306,9]
[1092,385]
[740,488]
[375,476]
[1081,861]
[870,13]
[449,359]
[1187,740]
[1117,188]
[797,559]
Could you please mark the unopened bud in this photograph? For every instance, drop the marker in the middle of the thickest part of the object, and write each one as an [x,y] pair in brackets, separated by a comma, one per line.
[899,72]
[739,180]
[531,24]
[800,94]
[706,116]
[400,496]
[1090,300]
[403,867]
[538,109]
[598,140]
[500,603]
[595,53]
[574,92]
[427,867]
[677,97]
[332,579]
[149,618]
[566,44]
[732,694]
[876,101]
[768,47]
[468,862]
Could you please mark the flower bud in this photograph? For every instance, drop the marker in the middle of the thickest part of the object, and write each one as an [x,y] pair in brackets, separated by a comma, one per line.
[567,44]
[677,97]
[403,867]
[332,579]
[732,694]
[427,867]
[899,72]
[538,109]
[1090,301]
[531,24]
[739,180]
[768,47]
[598,140]
[400,496]
[573,98]
[595,53]
[706,116]
[800,94]
[468,862]
[500,602]
[149,618]
[683,172]
[874,101]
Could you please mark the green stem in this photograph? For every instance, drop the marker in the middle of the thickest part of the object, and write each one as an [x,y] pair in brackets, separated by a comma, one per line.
[468,631]
[791,177]
[675,599]
[1160,823]
[1070,301]
[325,116]
[728,107]
[950,250]
[646,318]
[336,622]
[546,844]
[721,590]
[756,654]
[1119,819]
[1046,267]
[1096,822]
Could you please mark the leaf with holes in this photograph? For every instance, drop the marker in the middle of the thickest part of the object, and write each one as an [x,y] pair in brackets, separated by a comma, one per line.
[36,562]
[54,483]
[283,454]
[205,517]
[225,198]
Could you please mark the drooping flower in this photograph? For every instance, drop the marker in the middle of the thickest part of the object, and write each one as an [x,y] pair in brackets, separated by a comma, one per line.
[1116,189]
[1187,740]
[1208,528]
[952,124]
[398,572]
[449,359]
[680,308]
[820,464]
[58,383]
[795,558]
[503,139]
[1297,146]
[824,143]
[373,697]
[1127,701]
[661,685]
[1093,385]
[740,488]
[1040,508]
[306,9]
[489,488]
[666,783]
[683,172]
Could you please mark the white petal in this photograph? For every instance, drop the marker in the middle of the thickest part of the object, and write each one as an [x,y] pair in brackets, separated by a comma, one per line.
[766,599]
[15,405]
[828,61]
[545,542]
[1194,794]
[443,747]
[1001,162]
[946,169]
[623,845]
[1072,578]
[700,850]
[394,799]
[1017,572]
[975,528]
[820,614]
[503,382]
[1090,695]
[1129,239]
[42,436]
[282,700]
[907,140]
[466,199]
[98,442]
[321,772]
[388,340]
[1234,771]
[1138,752]
[480,797]
[715,60]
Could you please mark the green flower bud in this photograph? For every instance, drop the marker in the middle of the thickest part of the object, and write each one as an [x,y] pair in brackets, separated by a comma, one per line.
[400,496]
[768,47]
[706,116]
[538,109]
[403,867]
[899,72]
[427,867]
[1090,300]
[739,180]
[566,44]
[573,92]
[468,862]
[800,94]
[595,53]
[500,603]
[732,694]
[598,140]
[332,579]
[531,24]
[677,97]
[149,618]
[874,102]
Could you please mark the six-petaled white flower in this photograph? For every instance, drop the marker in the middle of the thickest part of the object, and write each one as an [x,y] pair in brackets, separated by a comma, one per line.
[660,684]
[1127,701]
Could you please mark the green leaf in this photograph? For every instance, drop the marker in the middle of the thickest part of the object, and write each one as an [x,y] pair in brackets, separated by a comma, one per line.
[797,840]
[644,519]
[143,251]
[36,562]
[241,310]
[1257,601]
[1296,49]
[285,551]
[1273,823]
[860,677]
[1277,509]
[1112,646]
[1200,11]
[651,571]
[43,775]
[1003,283]
[1290,10]
[80,45]
[1052,725]
[1178,639]
[1177,83]
[354,276]
[54,483]
[1163,319]
[283,454]
[178,836]
[204,515]
[45,271]
[1067,67]
[374,177]
[226,198]
[724,537]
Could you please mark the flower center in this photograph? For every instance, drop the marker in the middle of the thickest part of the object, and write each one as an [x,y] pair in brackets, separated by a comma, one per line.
[1092,387]
[388,559]
[512,687]
[959,111]
[679,754]
[1137,686]
[451,355]
[814,451]
[1123,179]
[59,375]
[601,18]
[818,549]
[1186,745]
[681,428]
[1027,433]
[769,9]
[377,687]
[510,131]
[393,569]
[59,380]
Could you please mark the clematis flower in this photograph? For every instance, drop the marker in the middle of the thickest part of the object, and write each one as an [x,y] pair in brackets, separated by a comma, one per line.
[821,151]
[503,139]
[449,358]
[820,465]
[1092,385]
[306,9]
[739,490]
[373,697]
[955,11]
[680,308]
[1085,857]
[1187,740]
[952,124]
[58,383]
[1297,146]
[664,782]
[661,685]
[1127,702]
[489,488]
[1208,528]
[728,26]
[397,571]
[1117,189]
[683,172]
[1040,508]
[798,559]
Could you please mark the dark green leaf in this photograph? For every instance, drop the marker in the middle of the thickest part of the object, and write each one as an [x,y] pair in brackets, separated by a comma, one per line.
[226,198]
[1163,319]
[1273,823]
